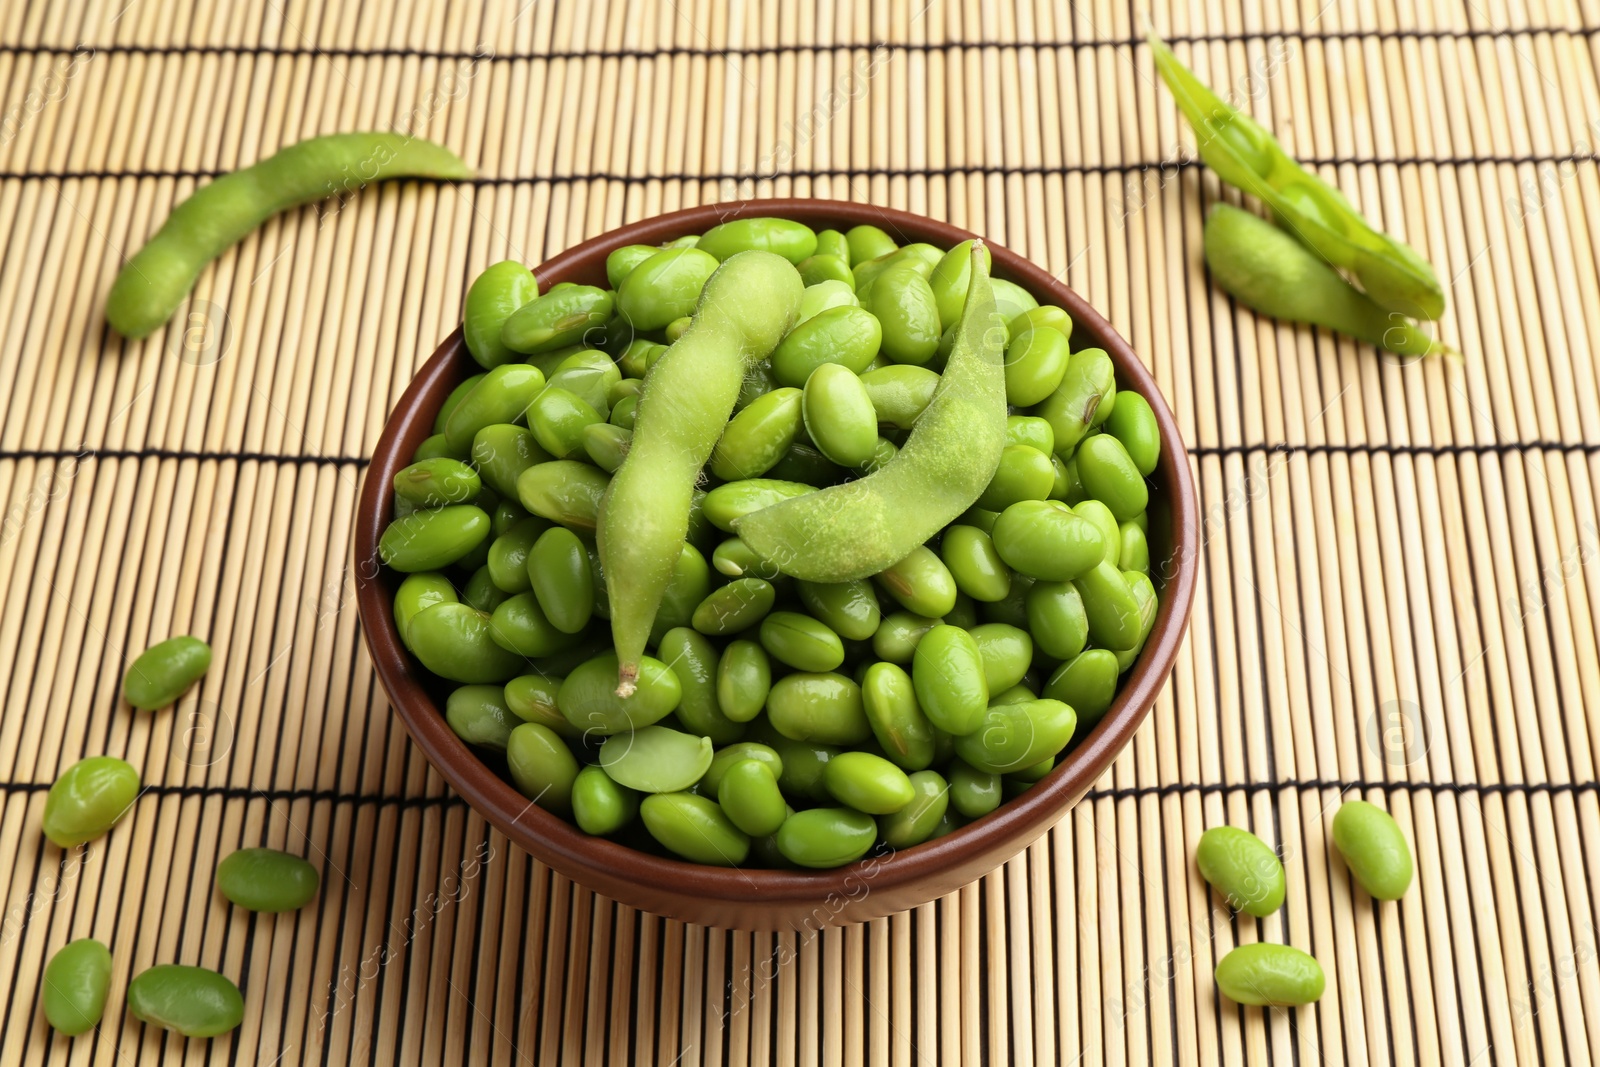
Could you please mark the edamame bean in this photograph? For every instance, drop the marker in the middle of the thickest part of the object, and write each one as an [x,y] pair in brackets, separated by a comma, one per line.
[947,671]
[542,767]
[821,270]
[1133,553]
[481,593]
[1144,594]
[417,592]
[904,305]
[455,642]
[915,822]
[1109,475]
[557,570]
[1011,737]
[677,327]
[656,759]
[868,242]
[921,583]
[501,396]
[152,284]
[558,418]
[1006,651]
[690,584]
[564,491]
[1042,318]
[867,783]
[532,698]
[744,677]
[479,715]
[821,708]
[666,286]
[693,661]
[88,799]
[1374,848]
[1089,382]
[559,318]
[620,262]
[889,699]
[506,514]
[846,335]
[951,277]
[1262,974]
[801,642]
[899,634]
[727,504]
[1243,868]
[826,837]
[508,555]
[491,299]
[519,625]
[435,447]
[1024,473]
[974,565]
[850,609]
[1087,681]
[589,700]
[1133,422]
[76,981]
[435,538]
[1110,533]
[1046,541]
[757,437]
[882,453]
[502,451]
[833,243]
[163,671]
[750,797]
[900,393]
[455,397]
[973,793]
[194,1001]
[839,415]
[432,483]
[734,607]
[1115,620]
[1030,430]
[265,879]
[694,828]
[738,753]
[599,805]
[1012,300]
[793,241]
[734,559]
[1036,361]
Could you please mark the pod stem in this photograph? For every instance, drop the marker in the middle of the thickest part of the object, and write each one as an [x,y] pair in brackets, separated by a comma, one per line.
[627,680]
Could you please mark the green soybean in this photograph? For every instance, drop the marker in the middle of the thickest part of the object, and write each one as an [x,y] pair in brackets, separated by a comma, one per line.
[1114,615]
[848,336]
[1110,532]
[656,759]
[868,242]
[163,671]
[1006,652]
[920,582]
[898,635]
[916,821]
[589,700]
[903,303]
[826,837]
[757,437]
[694,828]
[868,783]
[900,393]
[744,678]
[1030,430]
[435,538]
[76,981]
[1011,737]
[455,641]
[599,805]
[494,295]
[693,661]
[1133,552]
[508,555]
[433,483]
[88,799]
[1087,681]
[973,793]
[859,528]
[558,418]
[750,797]
[793,241]
[520,625]
[665,287]
[532,698]
[1024,473]
[1263,974]
[951,278]
[194,1001]
[1088,384]
[454,397]
[734,607]
[559,318]
[416,593]
[501,396]
[850,609]
[727,504]
[737,753]
[821,708]
[481,593]
[1012,300]
[479,715]
[839,415]
[1036,361]
[1374,848]
[542,767]
[434,447]
[801,642]
[564,491]
[620,262]
[690,584]
[557,570]
[1047,541]
[889,699]
[819,270]
[265,879]
[151,285]
[947,671]
[1110,476]
[1243,868]
[1133,422]
[1013,610]
[1042,318]
[502,451]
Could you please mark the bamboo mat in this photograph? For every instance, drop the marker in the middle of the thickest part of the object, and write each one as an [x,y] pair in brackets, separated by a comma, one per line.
[1395,599]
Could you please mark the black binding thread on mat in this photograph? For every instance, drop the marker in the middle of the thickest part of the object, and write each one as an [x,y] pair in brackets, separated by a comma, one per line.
[482,53]
[450,800]
[978,170]
[180,454]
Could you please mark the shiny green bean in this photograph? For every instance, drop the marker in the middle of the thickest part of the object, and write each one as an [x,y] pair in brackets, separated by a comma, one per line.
[76,982]
[163,671]
[265,879]
[194,1001]
[88,799]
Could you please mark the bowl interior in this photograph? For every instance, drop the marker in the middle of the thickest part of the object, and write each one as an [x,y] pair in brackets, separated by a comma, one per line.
[777,899]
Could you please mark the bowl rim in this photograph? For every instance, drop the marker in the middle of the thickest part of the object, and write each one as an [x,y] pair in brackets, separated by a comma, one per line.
[576,854]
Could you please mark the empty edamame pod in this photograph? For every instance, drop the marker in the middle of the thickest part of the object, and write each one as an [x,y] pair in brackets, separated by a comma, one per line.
[862,527]
[154,282]
[1246,156]
[743,312]
[1271,272]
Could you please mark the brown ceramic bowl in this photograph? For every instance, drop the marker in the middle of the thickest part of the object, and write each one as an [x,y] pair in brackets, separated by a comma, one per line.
[774,899]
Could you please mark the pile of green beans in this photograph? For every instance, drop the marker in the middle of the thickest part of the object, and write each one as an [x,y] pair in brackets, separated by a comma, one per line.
[946,602]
